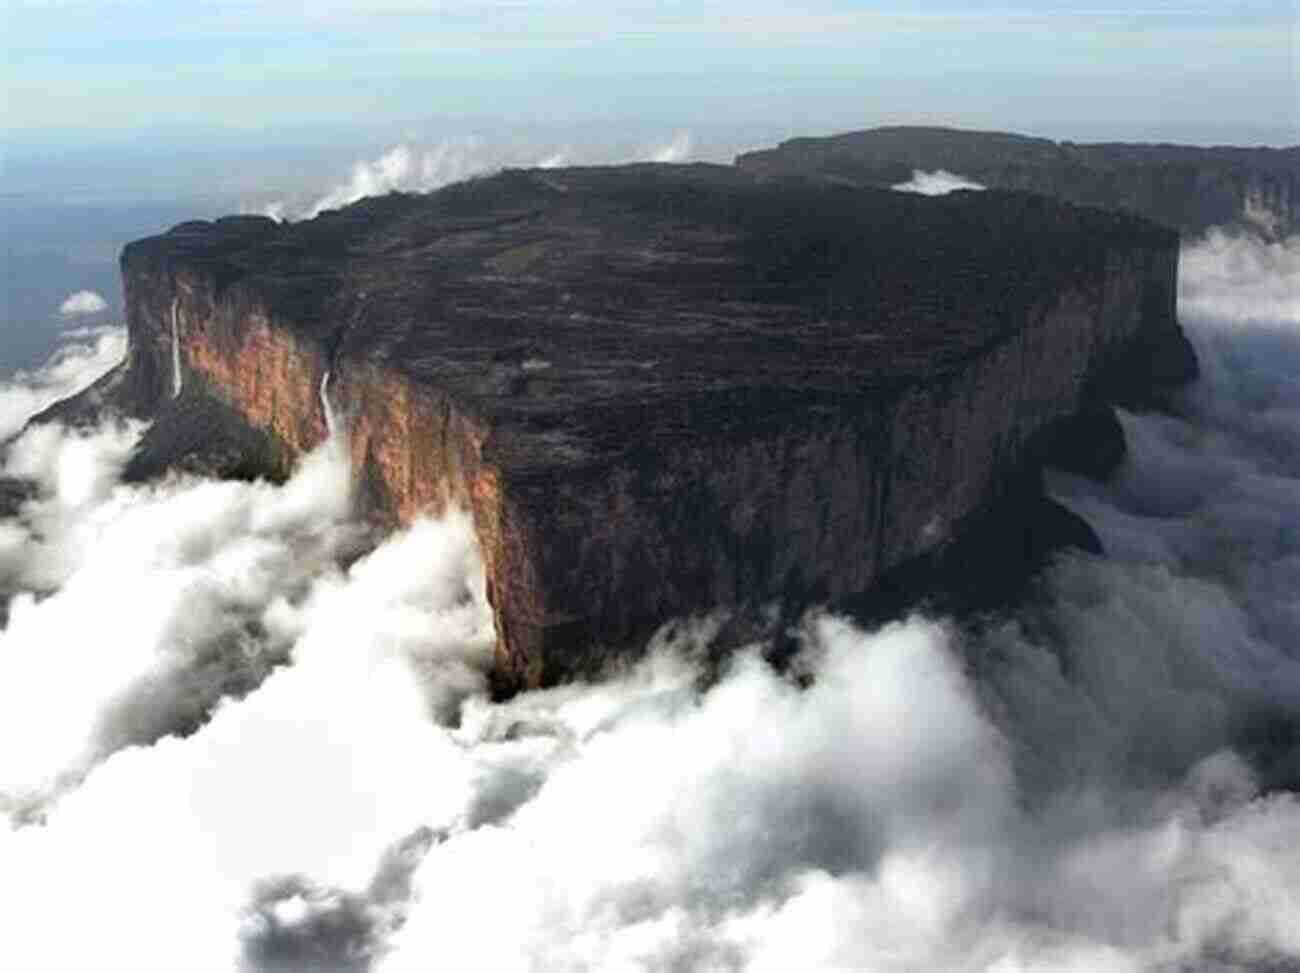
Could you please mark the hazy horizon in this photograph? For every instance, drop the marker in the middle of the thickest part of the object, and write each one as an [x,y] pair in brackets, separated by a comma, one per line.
[1190,71]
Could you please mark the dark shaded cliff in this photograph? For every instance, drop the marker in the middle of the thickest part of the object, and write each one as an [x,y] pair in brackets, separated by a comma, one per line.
[658,389]
[1187,187]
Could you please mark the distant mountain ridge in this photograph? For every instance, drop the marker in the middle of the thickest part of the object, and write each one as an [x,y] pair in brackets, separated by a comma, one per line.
[1190,188]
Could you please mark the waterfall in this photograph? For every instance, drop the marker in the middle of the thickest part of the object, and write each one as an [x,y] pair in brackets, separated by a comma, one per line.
[331,420]
[176,351]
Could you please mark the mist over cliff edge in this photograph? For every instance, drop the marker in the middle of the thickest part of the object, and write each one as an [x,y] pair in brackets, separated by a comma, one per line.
[227,742]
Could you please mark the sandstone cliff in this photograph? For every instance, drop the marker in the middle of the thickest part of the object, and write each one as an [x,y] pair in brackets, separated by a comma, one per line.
[658,389]
[1187,187]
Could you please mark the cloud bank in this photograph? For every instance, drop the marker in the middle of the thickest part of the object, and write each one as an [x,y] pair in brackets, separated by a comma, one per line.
[73,367]
[255,751]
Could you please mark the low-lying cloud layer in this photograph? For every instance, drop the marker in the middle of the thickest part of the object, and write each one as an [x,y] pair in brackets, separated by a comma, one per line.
[225,750]
[73,367]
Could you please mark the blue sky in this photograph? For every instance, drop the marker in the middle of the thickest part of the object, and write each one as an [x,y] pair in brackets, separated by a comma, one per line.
[115,65]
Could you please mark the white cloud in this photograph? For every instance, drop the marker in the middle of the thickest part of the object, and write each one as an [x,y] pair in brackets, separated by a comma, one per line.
[83,302]
[410,168]
[677,149]
[1233,278]
[299,767]
[316,772]
[71,368]
[937,183]
[553,161]
[403,168]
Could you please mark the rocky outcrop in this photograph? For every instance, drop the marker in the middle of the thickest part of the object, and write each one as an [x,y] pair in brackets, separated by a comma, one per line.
[1187,187]
[657,389]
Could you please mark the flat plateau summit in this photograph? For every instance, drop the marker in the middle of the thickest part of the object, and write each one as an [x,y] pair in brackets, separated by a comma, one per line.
[657,389]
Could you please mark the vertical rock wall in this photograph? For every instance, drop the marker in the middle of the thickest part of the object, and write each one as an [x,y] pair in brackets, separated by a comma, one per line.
[826,503]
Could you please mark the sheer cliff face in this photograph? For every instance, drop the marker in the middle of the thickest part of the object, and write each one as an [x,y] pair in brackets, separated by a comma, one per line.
[1186,187]
[661,390]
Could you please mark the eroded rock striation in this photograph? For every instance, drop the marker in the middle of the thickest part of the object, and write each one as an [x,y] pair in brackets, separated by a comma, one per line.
[1191,188]
[657,389]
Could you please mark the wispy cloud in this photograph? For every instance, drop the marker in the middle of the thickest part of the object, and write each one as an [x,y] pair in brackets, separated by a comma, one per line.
[937,183]
[410,168]
[83,302]
[677,149]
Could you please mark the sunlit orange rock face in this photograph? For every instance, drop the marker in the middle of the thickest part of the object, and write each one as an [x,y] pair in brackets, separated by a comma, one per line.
[270,376]
[661,390]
